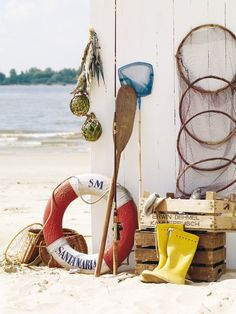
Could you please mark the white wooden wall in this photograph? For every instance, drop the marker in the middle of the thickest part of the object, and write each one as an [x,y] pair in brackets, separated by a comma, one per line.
[150,31]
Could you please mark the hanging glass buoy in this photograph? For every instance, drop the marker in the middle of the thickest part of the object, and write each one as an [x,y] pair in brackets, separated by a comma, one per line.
[92,128]
[90,69]
[79,104]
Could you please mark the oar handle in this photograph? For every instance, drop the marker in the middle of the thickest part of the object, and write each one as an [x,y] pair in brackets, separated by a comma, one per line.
[107,219]
[115,222]
[105,229]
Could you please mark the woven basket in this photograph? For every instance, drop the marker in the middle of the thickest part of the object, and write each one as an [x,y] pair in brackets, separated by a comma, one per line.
[75,240]
[29,251]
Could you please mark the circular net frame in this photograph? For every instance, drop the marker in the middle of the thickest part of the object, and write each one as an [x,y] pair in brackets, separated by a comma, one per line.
[207,50]
[206,139]
[22,247]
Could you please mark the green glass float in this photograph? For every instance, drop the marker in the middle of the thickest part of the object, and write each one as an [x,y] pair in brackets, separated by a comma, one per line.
[91,128]
[79,104]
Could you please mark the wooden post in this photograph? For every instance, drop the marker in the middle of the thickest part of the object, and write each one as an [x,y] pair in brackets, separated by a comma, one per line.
[210,195]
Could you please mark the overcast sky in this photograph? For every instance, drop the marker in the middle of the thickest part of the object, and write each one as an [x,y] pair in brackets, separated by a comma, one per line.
[42,33]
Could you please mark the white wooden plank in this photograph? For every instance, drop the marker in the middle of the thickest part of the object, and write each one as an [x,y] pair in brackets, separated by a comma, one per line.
[194,14]
[197,222]
[216,11]
[102,103]
[222,207]
[187,206]
[231,25]
[140,39]
[194,221]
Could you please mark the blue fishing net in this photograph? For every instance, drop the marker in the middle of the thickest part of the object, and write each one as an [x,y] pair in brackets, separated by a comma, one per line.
[138,75]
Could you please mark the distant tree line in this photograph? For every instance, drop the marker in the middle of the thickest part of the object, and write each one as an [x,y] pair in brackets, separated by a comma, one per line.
[37,76]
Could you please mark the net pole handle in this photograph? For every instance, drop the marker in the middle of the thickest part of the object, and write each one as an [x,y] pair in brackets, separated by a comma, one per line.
[116,163]
[139,103]
[140,188]
[105,227]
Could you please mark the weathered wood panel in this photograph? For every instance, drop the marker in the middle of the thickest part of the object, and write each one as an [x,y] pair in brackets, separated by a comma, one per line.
[208,273]
[201,257]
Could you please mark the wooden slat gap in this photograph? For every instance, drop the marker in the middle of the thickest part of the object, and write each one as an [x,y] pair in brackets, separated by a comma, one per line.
[209,265]
[151,247]
[202,249]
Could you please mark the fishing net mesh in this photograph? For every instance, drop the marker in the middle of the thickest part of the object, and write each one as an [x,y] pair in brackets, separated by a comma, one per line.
[206,62]
[23,248]
[138,75]
[207,50]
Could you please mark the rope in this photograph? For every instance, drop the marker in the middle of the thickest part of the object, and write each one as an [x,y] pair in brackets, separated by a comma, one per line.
[96,201]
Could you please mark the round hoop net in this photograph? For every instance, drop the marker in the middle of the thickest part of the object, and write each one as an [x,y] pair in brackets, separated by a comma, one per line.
[206,145]
[22,249]
[207,50]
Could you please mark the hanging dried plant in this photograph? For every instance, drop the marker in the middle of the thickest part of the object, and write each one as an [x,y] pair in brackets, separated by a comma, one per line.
[91,65]
[90,68]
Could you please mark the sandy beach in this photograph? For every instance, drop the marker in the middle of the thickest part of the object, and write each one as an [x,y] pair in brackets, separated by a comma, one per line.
[28,177]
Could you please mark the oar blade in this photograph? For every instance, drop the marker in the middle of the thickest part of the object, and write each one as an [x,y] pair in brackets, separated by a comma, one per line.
[126,103]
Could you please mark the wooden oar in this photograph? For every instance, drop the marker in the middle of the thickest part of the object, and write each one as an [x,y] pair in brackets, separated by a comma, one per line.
[123,125]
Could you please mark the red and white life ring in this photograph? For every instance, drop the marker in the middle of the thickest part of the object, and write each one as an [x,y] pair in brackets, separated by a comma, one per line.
[63,195]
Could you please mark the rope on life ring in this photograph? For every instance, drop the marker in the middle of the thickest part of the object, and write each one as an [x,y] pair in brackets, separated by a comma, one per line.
[63,195]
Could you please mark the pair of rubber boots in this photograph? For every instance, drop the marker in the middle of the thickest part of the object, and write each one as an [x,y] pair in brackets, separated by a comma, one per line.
[176,250]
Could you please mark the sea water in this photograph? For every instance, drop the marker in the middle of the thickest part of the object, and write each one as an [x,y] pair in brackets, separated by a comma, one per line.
[39,115]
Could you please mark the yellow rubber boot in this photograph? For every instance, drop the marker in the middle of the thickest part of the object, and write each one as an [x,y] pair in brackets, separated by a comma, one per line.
[162,238]
[181,247]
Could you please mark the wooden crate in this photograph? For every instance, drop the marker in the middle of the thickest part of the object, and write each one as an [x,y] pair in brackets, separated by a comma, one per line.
[208,273]
[209,214]
[208,263]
